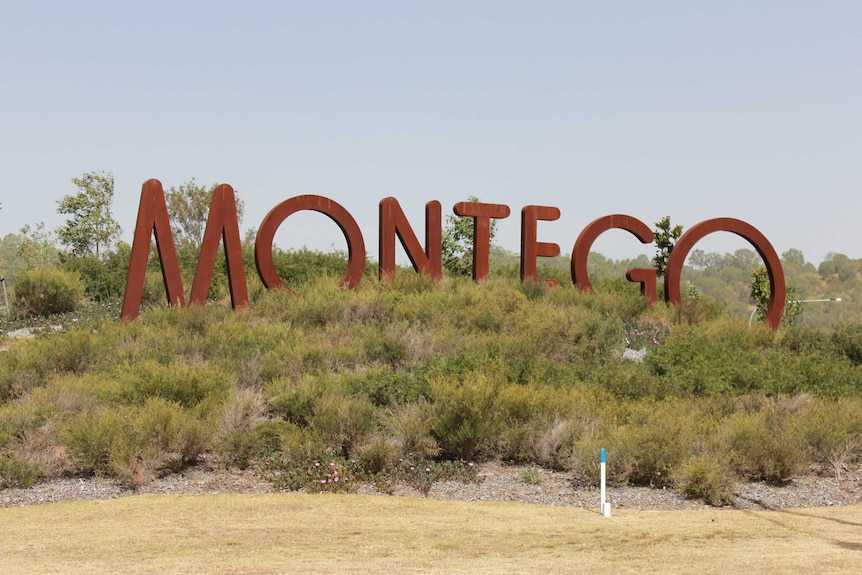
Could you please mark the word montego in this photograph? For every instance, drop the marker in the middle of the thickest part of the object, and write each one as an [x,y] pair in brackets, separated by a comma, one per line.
[223,226]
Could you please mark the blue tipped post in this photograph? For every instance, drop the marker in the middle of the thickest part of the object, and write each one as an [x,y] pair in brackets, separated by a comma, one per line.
[605,507]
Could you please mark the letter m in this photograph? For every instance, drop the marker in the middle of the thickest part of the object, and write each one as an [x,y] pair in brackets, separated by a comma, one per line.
[153,219]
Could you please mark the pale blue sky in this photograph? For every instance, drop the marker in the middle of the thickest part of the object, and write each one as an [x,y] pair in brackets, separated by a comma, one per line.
[688,109]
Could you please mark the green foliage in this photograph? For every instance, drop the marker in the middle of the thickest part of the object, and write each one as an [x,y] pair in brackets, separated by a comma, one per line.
[458,243]
[665,238]
[379,380]
[91,228]
[45,292]
[707,477]
[187,385]
[188,208]
[134,443]
[105,277]
[36,249]
[237,441]
[832,433]
[464,417]
[765,446]
[15,472]
[760,294]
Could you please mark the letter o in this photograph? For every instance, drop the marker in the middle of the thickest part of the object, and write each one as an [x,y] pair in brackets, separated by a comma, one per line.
[330,208]
[777,288]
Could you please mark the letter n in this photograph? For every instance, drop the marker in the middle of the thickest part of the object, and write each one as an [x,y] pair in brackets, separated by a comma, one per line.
[152,218]
[392,222]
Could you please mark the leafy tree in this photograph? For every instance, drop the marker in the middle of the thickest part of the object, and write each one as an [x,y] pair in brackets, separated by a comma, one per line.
[793,256]
[36,249]
[188,206]
[458,243]
[760,295]
[665,238]
[91,227]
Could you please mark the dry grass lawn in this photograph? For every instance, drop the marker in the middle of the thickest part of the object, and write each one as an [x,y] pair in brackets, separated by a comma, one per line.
[295,533]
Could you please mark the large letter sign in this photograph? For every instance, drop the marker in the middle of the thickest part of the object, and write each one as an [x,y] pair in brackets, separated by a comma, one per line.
[223,224]
[777,288]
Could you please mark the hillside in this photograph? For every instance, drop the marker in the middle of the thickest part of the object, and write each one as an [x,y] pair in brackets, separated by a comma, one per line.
[411,381]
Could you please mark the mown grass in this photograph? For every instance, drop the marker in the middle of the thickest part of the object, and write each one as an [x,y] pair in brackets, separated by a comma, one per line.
[438,375]
[363,534]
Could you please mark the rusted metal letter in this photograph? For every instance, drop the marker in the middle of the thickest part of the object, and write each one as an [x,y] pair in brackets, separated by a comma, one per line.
[777,288]
[330,208]
[481,214]
[531,249]
[222,224]
[581,252]
[392,222]
[152,219]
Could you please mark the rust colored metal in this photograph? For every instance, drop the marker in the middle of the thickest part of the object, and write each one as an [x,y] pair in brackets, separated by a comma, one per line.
[531,249]
[271,222]
[647,277]
[222,224]
[152,220]
[482,215]
[393,222]
[777,289]
[581,251]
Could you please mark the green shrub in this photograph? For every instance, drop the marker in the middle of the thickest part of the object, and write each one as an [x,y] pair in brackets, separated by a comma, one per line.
[45,292]
[187,385]
[134,443]
[343,421]
[409,426]
[293,399]
[764,446]
[90,437]
[464,420]
[708,477]
[832,432]
[375,455]
[15,472]
[237,441]
[655,441]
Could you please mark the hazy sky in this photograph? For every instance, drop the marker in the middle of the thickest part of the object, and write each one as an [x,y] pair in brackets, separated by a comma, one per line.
[694,110]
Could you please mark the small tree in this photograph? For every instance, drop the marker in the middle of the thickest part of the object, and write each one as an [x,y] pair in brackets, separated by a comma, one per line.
[665,238]
[188,206]
[458,243]
[91,227]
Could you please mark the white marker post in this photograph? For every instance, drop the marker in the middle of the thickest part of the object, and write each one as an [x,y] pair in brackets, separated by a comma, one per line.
[605,506]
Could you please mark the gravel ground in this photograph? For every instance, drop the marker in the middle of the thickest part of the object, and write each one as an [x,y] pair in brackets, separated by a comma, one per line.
[496,482]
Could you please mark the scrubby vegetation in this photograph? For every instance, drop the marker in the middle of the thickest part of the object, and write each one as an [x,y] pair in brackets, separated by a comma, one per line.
[411,380]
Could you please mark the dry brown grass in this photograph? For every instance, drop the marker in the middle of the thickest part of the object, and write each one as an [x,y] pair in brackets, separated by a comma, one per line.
[355,534]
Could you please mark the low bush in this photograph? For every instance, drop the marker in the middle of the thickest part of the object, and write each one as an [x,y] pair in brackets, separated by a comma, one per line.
[45,292]
[832,433]
[708,477]
[134,444]
[764,446]
[464,417]
[236,441]
[15,472]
